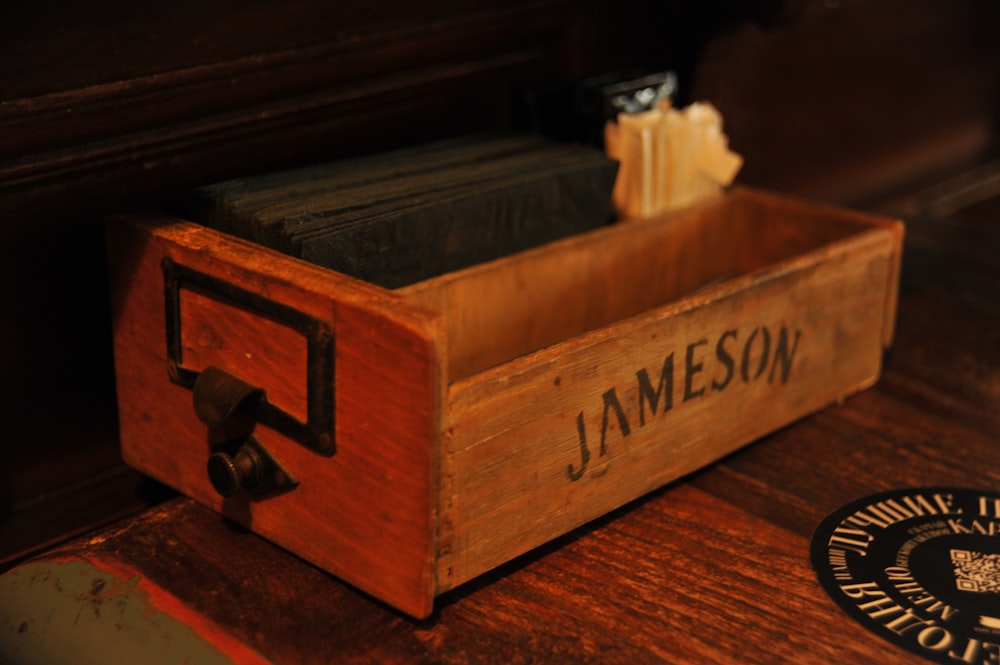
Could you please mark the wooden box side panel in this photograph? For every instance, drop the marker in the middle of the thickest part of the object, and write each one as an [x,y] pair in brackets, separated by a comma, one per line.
[560,437]
[506,308]
[367,513]
[513,306]
[772,236]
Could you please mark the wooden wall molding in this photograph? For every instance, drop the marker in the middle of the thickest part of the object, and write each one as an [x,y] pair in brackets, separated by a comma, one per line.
[103,144]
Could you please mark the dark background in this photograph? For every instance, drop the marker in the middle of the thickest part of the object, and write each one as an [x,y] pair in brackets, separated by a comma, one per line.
[110,105]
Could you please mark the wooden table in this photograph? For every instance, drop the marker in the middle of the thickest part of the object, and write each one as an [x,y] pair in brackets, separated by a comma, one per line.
[713,568]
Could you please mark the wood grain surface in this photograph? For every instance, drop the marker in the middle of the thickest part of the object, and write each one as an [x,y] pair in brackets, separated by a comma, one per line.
[556,438]
[367,512]
[713,568]
[787,315]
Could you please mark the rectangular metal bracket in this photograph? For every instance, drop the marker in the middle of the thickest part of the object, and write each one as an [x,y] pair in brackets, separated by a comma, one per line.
[317,432]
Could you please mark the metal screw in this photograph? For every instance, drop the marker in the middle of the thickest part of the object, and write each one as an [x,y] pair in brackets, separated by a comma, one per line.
[228,474]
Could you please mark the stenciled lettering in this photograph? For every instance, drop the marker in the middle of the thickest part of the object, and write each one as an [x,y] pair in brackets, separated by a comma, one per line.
[765,354]
[692,369]
[664,388]
[783,355]
[584,451]
[611,403]
[709,366]
[726,359]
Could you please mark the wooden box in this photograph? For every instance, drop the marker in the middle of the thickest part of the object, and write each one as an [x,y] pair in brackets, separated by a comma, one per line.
[417,438]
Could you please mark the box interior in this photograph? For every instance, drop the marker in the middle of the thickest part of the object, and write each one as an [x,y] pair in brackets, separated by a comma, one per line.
[513,306]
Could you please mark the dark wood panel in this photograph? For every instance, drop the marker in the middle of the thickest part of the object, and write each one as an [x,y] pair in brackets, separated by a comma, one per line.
[852,97]
[89,71]
[110,102]
[76,45]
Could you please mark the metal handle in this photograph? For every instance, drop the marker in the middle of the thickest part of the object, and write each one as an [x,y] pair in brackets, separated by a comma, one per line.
[231,408]
[224,400]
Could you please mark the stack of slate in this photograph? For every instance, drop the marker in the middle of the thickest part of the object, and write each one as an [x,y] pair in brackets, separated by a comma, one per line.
[401,217]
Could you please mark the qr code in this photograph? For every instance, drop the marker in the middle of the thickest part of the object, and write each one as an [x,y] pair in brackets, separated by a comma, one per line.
[975,571]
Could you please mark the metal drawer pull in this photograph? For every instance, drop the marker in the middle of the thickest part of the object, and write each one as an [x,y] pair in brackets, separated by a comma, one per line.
[231,407]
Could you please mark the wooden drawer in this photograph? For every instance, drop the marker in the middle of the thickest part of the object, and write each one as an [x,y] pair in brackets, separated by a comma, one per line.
[441,429]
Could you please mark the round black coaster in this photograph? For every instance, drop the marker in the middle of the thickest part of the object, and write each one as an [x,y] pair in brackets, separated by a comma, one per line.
[919,567]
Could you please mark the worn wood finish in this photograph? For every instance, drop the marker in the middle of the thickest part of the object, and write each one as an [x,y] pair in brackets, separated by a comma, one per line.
[551,440]
[503,309]
[367,513]
[456,469]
